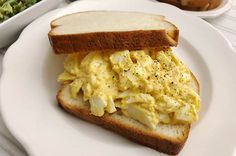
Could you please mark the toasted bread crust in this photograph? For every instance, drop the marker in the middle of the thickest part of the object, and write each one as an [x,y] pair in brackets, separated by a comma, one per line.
[107,41]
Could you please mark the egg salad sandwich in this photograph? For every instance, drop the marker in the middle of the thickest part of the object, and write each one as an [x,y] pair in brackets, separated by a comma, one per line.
[120,73]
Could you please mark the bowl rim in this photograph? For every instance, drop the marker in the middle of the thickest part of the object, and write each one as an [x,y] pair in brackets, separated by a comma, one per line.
[23,12]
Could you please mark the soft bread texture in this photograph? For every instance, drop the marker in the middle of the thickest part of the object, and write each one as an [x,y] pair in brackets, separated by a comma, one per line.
[111,30]
[167,138]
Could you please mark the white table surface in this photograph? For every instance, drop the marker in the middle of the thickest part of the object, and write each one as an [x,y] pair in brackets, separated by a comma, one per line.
[9,146]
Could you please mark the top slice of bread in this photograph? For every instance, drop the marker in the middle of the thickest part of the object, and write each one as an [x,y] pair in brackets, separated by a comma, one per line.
[111,30]
[166,138]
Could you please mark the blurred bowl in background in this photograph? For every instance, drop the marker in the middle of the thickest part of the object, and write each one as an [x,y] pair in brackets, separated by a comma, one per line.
[223,7]
[11,28]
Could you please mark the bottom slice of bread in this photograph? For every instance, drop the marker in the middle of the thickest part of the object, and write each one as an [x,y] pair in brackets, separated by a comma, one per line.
[166,138]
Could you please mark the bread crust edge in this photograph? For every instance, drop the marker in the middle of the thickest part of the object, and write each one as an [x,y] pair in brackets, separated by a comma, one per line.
[160,144]
[112,41]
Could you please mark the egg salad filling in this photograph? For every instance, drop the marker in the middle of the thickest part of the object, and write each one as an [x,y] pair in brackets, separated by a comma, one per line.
[149,86]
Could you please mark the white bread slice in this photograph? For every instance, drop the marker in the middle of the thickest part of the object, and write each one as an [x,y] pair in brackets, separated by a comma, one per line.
[111,30]
[167,138]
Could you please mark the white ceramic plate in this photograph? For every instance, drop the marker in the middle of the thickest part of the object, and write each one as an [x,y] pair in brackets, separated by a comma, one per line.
[222,8]
[28,89]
